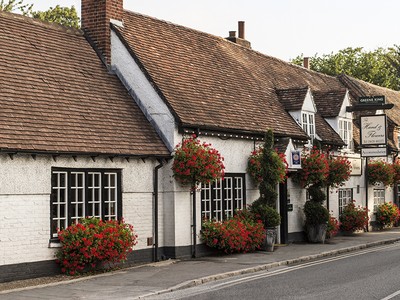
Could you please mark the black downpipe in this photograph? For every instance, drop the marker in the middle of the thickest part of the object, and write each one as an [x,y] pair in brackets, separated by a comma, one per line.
[366,185]
[155,193]
[194,227]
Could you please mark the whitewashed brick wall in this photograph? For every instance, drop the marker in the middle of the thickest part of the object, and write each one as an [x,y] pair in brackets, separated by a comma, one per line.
[25,187]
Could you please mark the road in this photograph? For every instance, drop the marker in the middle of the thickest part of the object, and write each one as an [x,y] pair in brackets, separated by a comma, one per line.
[370,274]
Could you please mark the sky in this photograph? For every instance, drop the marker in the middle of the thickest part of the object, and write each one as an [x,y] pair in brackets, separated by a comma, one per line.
[279,28]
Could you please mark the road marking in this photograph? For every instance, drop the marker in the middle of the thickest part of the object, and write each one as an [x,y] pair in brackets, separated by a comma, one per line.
[298,267]
[392,295]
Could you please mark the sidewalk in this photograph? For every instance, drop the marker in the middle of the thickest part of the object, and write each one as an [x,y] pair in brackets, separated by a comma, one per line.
[137,282]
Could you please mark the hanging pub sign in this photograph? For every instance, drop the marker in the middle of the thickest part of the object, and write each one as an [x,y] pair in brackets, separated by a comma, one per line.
[371,100]
[295,159]
[373,130]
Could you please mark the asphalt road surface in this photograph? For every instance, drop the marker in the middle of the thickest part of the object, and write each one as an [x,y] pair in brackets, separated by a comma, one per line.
[369,274]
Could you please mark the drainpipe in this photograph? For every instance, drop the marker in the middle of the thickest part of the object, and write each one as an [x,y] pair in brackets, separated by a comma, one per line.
[366,185]
[194,222]
[155,193]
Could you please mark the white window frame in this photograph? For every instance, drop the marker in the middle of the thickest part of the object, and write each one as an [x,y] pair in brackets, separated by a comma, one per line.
[80,193]
[220,199]
[379,197]
[346,132]
[345,196]
[308,123]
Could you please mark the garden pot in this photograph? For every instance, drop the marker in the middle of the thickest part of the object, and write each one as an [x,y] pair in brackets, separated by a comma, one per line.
[317,233]
[270,239]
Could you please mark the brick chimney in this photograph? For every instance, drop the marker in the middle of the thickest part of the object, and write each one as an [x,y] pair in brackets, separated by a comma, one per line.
[239,40]
[306,62]
[96,16]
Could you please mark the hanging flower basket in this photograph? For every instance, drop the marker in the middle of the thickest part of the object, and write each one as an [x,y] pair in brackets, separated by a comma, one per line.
[396,171]
[380,172]
[339,171]
[196,162]
[315,168]
[277,166]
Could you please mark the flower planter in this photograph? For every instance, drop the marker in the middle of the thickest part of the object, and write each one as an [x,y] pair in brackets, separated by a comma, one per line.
[316,233]
[269,241]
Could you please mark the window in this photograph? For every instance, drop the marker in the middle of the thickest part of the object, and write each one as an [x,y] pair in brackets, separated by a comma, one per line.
[220,199]
[345,197]
[308,124]
[379,197]
[78,194]
[345,132]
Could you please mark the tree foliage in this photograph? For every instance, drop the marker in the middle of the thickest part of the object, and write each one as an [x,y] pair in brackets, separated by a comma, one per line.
[16,5]
[66,16]
[63,15]
[380,66]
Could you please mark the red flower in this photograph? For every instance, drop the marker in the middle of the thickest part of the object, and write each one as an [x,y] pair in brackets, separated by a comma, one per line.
[196,163]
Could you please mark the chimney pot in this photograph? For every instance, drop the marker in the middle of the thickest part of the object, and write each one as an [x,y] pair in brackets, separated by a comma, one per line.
[232,34]
[241,29]
[306,62]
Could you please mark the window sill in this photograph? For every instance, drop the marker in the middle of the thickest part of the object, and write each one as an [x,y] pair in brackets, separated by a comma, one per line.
[54,244]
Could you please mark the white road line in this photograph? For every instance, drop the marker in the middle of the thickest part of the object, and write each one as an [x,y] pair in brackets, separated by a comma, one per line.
[294,268]
[392,295]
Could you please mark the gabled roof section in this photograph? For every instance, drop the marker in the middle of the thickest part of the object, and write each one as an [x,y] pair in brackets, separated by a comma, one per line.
[209,82]
[57,97]
[326,132]
[329,102]
[359,88]
[292,99]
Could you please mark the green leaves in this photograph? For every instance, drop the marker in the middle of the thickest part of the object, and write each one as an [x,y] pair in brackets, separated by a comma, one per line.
[380,66]
[62,15]
[16,5]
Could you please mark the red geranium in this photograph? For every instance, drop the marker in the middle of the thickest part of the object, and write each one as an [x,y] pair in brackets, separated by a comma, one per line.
[196,162]
[315,168]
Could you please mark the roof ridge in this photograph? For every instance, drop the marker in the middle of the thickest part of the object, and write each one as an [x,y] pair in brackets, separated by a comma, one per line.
[38,22]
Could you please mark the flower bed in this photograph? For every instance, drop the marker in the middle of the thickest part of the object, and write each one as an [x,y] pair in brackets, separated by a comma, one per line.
[240,233]
[353,218]
[92,242]
[387,214]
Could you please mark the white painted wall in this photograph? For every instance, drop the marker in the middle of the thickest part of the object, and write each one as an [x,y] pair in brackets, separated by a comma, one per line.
[25,187]
[142,91]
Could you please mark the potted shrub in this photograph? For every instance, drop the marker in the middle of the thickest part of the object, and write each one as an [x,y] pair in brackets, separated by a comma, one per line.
[387,214]
[270,218]
[353,218]
[314,175]
[317,216]
[267,168]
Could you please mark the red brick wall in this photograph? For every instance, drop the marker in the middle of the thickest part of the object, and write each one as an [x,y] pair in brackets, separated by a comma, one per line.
[96,15]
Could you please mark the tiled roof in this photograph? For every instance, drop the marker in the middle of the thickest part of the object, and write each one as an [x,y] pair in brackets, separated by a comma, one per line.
[326,132]
[329,102]
[210,82]
[56,96]
[292,99]
[358,88]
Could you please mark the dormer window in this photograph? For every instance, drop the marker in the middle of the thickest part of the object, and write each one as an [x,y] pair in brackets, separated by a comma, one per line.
[308,124]
[345,132]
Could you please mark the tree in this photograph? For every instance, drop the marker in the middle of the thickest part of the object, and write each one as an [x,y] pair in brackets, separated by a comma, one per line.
[380,67]
[63,15]
[16,5]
